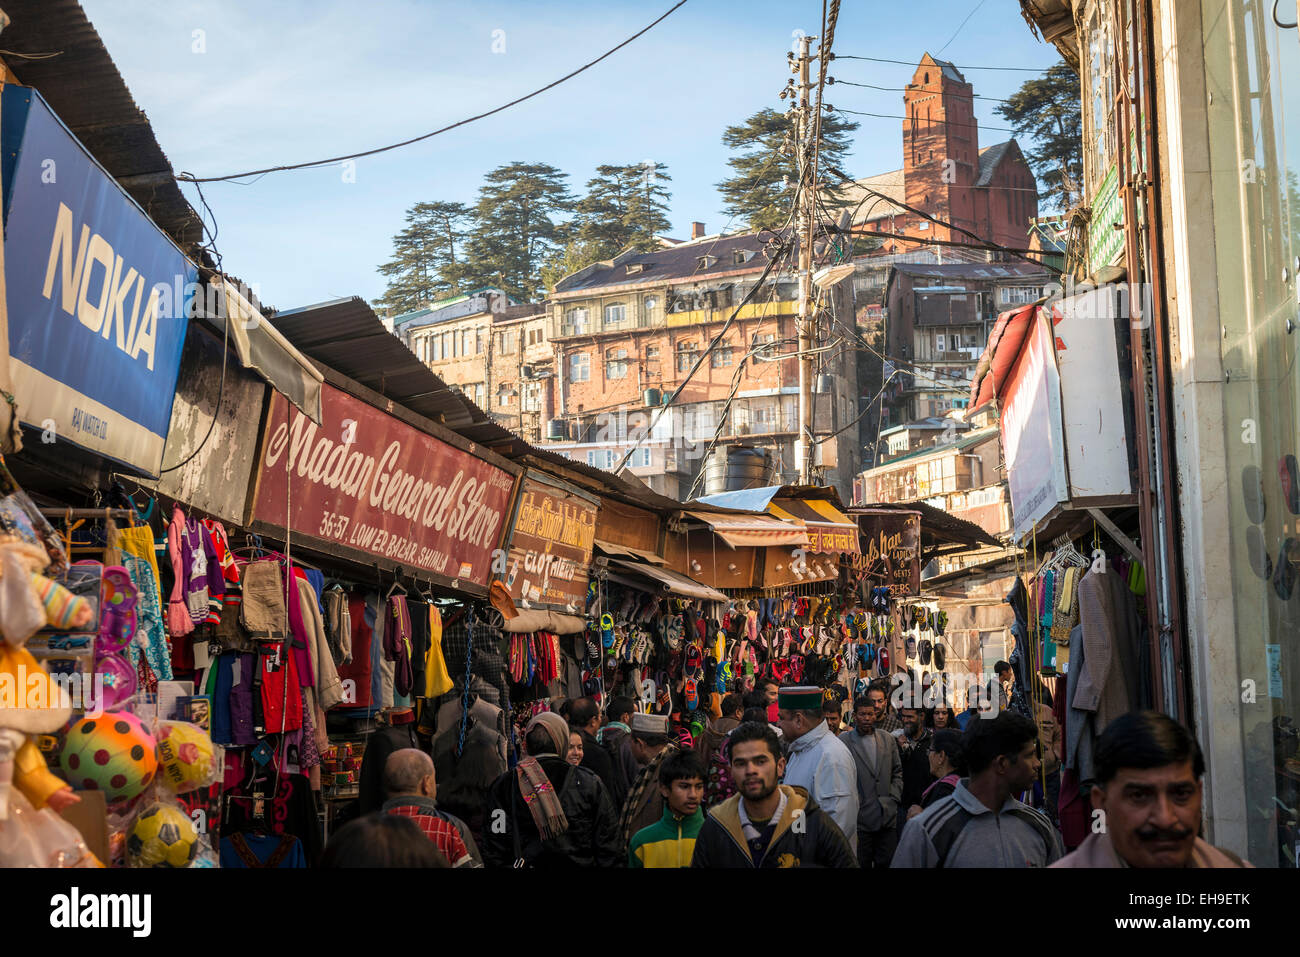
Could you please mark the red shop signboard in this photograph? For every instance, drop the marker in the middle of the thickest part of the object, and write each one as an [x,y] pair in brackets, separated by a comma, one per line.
[366,482]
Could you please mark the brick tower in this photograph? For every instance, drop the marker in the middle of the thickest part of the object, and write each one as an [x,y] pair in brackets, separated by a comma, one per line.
[941,147]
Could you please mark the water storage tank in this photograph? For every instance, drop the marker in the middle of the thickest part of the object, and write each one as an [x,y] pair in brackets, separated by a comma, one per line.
[652,397]
[735,467]
[556,431]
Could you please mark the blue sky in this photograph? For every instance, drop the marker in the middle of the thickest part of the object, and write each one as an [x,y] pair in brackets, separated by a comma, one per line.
[292,81]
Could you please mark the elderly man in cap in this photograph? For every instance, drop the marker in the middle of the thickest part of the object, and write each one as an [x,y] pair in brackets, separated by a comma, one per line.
[649,744]
[819,762]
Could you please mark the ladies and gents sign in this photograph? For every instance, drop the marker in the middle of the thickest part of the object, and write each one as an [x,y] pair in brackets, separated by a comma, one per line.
[369,484]
[891,550]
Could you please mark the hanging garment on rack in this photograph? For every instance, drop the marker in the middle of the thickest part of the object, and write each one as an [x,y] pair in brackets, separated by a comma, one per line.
[1103,684]
[298,608]
[379,745]
[437,680]
[150,635]
[357,671]
[281,690]
[419,609]
[338,623]
[291,810]
[381,670]
[179,620]
[261,850]
[262,612]
[397,643]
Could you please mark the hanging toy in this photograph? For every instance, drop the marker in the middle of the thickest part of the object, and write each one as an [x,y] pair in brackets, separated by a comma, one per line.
[162,836]
[113,753]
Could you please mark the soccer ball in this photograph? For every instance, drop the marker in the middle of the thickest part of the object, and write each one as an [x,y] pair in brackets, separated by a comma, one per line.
[162,836]
[113,753]
[185,753]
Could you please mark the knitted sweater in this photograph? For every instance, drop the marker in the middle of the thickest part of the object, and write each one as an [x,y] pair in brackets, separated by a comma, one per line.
[670,842]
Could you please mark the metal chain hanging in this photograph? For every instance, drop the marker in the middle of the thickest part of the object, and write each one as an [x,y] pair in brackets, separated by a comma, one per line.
[464,695]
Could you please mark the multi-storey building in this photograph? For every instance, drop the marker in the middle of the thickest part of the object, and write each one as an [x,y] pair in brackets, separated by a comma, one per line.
[938,317]
[629,331]
[521,370]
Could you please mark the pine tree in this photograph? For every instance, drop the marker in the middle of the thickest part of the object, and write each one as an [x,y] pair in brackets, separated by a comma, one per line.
[425,263]
[517,228]
[761,191]
[625,207]
[1046,110]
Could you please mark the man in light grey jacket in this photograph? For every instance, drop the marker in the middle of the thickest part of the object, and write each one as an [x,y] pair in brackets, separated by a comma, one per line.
[880,785]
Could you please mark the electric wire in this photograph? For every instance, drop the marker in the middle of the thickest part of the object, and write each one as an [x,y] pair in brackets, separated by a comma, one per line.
[912,63]
[185,177]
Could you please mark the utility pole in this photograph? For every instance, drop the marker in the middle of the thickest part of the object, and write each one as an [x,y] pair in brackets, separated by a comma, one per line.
[805,217]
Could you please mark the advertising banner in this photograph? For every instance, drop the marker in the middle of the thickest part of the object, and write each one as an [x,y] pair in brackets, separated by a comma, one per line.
[97,295]
[1031,431]
[368,483]
[550,544]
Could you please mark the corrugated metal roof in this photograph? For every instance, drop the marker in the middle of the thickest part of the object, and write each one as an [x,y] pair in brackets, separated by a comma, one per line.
[675,263]
[969,270]
[83,87]
[347,335]
[938,528]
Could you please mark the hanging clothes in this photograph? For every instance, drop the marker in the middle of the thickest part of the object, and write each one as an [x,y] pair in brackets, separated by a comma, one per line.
[397,643]
[137,546]
[358,669]
[281,690]
[437,680]
[338,623]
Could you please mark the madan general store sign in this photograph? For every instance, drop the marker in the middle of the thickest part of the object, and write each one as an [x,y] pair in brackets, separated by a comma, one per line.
[367,482]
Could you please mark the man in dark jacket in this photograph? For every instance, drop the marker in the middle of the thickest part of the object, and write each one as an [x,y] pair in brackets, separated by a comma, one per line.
[589,836]
[914,754]
[766,824]
[584,718]
[615,738]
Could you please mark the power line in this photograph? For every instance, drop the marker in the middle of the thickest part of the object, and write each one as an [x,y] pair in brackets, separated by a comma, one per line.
[416,139]
[961,25]
[831,81]
[917,119]
[912,63]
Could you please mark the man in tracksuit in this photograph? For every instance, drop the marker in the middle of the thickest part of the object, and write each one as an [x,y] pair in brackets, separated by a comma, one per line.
[980,824]
[767,824]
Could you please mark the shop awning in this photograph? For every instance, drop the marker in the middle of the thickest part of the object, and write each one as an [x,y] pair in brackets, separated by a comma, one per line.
[625,551]
[753,531]
[262,348]
[829,529]
[654,579]
[1005,342]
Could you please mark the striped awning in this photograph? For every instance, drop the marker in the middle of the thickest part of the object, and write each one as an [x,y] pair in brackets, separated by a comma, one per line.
[829,530]
[753,531]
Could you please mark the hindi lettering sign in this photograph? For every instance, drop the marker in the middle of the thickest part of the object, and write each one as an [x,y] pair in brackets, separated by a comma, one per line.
[551,540]
[367,482]
[891,550]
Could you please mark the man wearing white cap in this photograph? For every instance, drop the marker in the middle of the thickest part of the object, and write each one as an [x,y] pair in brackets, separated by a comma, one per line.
[819,762]
[650,745]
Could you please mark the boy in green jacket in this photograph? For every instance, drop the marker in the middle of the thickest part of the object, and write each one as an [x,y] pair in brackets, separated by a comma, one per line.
[671,841]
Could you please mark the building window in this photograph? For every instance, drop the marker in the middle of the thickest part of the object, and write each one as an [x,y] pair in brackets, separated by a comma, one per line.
[532,397]
[505,395]
[579,367]
[686,353]
[615,313]
[1019,295]
[651,353]
[764,347]
[575,322]
[507,341]
[615,363]
[601,458]
[721,356]
[640,459]
[476,393]
[940,342]
[478,340]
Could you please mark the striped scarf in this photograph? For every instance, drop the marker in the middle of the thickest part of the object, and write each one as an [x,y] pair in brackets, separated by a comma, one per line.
[541,799]
[648,775]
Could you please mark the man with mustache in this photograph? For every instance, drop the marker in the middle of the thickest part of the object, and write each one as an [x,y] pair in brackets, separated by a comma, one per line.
[1148,786]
